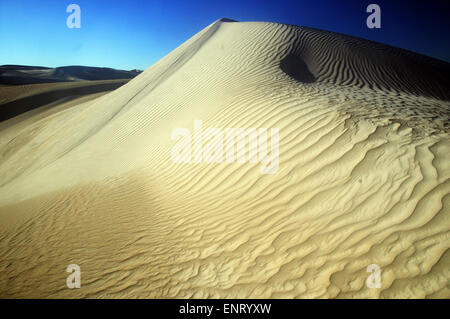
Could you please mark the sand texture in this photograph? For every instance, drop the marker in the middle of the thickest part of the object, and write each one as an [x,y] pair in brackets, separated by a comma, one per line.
[363,177]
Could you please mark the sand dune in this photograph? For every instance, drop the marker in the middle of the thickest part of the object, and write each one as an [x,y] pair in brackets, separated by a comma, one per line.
[22,74]
[363,176]
[343,60]
[15,100]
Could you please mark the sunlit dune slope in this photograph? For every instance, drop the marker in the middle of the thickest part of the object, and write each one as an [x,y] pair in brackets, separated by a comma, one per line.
[363,176]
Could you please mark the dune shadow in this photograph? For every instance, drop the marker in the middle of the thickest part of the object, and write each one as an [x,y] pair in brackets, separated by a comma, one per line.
[296,68]
[22,105]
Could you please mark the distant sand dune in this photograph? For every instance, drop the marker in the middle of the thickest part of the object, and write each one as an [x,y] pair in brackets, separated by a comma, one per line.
[20,74]
[363,178]
[38,95]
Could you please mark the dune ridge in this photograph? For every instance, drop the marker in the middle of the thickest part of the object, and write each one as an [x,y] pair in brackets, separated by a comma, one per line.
[344,60]
[364,176]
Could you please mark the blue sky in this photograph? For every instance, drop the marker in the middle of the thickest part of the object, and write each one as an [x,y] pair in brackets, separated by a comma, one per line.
[133,34]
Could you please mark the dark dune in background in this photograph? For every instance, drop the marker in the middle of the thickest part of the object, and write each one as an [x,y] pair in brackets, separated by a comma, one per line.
[44,94]
[19,74]
[23,88]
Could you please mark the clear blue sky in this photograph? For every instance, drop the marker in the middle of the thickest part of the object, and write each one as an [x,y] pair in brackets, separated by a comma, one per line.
[133,34]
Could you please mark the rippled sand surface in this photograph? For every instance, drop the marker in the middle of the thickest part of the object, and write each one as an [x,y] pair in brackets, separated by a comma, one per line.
[363,177]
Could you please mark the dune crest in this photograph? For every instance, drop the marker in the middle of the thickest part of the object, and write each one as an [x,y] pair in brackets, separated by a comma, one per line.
[363,176]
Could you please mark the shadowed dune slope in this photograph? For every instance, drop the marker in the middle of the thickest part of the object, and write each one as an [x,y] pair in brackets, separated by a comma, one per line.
[363,176]
[344,60]
[20,74]
[15,100]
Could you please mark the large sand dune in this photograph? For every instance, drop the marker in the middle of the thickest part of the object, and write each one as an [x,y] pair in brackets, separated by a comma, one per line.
[363,177]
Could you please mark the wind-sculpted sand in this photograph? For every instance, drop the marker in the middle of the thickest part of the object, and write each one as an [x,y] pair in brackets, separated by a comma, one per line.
[363,176]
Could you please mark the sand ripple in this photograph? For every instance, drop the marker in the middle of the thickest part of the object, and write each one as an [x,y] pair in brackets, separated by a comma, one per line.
[364,176]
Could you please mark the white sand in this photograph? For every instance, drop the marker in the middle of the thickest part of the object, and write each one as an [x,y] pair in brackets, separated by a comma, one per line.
[363,178]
